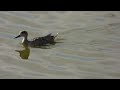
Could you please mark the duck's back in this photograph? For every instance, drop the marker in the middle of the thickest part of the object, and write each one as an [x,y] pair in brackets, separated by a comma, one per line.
[42,41]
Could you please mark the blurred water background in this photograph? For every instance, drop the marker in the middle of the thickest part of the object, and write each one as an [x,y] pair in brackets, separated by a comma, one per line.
[90,47]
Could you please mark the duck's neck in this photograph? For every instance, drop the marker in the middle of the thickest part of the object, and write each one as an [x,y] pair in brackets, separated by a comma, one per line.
[25,41]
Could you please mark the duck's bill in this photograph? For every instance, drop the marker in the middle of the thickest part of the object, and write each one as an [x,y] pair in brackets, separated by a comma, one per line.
[17,36]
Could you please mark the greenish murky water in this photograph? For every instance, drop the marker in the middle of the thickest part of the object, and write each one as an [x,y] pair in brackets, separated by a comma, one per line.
[90,45]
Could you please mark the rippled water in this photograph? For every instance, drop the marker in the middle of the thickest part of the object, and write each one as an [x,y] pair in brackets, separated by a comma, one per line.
[90,45]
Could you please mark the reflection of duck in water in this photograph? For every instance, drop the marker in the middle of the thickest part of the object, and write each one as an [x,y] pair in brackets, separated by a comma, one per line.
[24,54]
[39,41]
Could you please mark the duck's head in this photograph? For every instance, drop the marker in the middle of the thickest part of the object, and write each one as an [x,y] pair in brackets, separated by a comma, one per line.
[22,34]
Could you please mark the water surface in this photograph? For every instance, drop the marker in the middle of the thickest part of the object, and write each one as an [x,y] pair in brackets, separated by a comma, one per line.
[90,47]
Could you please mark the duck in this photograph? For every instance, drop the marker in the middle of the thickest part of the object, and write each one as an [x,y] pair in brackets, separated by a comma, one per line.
[38,41]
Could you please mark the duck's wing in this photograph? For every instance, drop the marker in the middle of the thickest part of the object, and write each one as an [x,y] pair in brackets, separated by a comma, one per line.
[50,35]
[39,41]
[48,39]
